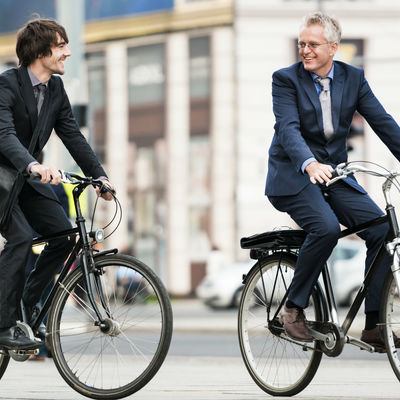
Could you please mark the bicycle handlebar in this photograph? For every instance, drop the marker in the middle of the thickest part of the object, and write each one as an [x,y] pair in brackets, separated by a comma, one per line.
[344,170]
[74,179]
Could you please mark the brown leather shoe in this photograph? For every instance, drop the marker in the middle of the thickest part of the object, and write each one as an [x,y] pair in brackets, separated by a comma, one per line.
[293,320]
[374,338]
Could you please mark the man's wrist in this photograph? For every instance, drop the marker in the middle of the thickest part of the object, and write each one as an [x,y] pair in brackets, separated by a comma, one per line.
[30,165]
[307,162]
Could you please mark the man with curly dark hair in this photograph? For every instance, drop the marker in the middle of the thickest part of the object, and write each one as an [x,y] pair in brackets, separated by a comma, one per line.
[33,102]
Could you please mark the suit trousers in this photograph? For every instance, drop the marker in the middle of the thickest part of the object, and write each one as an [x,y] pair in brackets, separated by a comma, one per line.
[45,216]
[319,210]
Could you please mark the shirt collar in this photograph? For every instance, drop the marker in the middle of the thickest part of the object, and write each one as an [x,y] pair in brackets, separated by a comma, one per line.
[330,74]
[34,79]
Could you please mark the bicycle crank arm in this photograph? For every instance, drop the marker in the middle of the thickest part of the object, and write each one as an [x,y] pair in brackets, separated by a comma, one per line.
[318,335]
[359,343]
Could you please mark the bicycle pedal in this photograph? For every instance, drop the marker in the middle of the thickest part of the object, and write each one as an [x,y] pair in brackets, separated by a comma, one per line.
[26,352]
[377,349]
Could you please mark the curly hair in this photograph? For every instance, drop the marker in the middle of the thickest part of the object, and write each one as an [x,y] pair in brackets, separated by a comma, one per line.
[35,39]
[333,31]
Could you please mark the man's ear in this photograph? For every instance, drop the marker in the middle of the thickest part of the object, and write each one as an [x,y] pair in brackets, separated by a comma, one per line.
[333,48]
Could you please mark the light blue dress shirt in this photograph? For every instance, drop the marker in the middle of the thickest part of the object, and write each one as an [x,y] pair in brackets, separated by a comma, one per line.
[318,89]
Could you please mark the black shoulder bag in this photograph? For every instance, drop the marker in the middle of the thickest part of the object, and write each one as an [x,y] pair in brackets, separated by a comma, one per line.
[11,182]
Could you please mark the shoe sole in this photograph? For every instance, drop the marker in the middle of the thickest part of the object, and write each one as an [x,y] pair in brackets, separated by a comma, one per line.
[32,347]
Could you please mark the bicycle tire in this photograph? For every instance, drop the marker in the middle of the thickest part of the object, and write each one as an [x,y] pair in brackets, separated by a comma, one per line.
[140,304]
[278,365]
[390,317]
[4,360]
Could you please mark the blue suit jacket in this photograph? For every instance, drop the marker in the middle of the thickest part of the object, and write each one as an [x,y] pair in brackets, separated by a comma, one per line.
[299,131]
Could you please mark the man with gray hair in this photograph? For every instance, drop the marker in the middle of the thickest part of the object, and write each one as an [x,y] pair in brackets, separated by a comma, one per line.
[314,102]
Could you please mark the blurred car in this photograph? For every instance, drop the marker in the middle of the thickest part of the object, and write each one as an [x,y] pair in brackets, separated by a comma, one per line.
[223,288]
[346,267]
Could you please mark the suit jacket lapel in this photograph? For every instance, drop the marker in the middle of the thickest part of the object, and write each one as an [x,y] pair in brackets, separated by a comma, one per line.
[337,93]
[312,94]
[28,96]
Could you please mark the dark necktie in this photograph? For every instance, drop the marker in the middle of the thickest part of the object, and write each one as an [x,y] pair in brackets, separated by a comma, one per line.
[40,92]
[325,100]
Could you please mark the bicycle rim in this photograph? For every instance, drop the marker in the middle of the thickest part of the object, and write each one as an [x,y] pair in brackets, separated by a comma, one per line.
[390,316]
[120,361]
[279,365]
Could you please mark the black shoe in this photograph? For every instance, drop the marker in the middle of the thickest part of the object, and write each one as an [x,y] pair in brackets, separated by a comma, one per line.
[31,314]
[14,339]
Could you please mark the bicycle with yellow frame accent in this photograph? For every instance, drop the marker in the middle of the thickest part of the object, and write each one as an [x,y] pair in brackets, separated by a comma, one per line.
[107,340]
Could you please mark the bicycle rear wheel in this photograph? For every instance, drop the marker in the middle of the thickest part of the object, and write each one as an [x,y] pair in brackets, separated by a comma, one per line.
[115,362]
[390,317]
[4,360]
[279,365]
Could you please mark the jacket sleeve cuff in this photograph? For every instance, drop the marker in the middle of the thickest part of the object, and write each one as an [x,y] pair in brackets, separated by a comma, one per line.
[28,168]
[305,163]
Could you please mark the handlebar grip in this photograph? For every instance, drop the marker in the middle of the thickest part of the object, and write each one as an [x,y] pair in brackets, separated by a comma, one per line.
[335,174]
[35,176]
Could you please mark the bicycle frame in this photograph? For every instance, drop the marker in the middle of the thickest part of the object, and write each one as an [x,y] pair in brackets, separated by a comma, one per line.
[372,270]
[84,248]
[390,243]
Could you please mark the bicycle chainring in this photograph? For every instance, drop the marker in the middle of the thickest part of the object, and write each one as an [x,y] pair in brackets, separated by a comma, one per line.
[333,345]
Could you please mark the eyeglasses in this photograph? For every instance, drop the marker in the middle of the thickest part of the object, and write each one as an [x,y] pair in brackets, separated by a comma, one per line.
[312,45]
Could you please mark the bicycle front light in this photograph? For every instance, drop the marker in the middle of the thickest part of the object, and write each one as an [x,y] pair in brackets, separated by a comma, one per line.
[97,235]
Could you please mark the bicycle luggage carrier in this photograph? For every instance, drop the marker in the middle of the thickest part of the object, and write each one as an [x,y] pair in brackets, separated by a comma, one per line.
[275,240]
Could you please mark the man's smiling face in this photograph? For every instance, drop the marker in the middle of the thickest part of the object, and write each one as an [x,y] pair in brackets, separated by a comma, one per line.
[315,51]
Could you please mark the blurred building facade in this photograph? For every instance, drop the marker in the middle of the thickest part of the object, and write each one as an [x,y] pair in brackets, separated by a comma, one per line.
[180,113]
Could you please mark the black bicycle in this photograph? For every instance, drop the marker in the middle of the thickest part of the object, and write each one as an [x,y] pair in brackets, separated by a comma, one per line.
[282,366]
[109,321]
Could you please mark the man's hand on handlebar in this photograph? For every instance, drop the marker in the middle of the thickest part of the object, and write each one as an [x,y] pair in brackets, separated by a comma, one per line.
[48,174]
[105,194]
[318,172]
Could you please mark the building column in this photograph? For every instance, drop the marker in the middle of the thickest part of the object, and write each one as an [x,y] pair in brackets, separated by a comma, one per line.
[223,142]
[117,135]
[177,133]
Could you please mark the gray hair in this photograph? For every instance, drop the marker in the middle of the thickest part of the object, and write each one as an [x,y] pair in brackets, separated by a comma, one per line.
[333,31]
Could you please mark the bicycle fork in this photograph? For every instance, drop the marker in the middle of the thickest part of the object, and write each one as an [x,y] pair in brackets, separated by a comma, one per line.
[93,284]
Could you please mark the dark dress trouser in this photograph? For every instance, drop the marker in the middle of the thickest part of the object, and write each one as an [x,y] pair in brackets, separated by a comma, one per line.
[45,216]
[319,215]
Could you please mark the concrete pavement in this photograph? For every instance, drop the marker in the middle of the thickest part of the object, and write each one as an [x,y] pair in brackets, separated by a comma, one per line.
[203,378]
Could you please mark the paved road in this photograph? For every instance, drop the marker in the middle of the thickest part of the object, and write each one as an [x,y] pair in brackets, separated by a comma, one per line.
[204,363]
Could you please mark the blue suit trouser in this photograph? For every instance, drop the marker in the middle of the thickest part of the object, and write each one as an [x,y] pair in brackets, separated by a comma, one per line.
[319,212]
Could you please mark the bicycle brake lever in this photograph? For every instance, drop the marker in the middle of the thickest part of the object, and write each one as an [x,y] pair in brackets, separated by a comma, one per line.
[66,177]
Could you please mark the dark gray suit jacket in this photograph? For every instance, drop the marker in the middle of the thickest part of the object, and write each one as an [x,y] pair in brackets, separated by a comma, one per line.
[18,119]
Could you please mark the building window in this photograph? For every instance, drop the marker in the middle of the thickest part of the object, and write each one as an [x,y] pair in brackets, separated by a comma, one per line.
[146,75]
[200,155]
[147,154]
[96,109]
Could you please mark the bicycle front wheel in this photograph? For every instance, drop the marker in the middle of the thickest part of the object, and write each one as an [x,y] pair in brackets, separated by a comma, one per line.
[279,365]
[390,317]
[112,362]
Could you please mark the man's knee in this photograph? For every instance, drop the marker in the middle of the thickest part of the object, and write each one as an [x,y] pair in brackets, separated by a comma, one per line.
[329,229]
